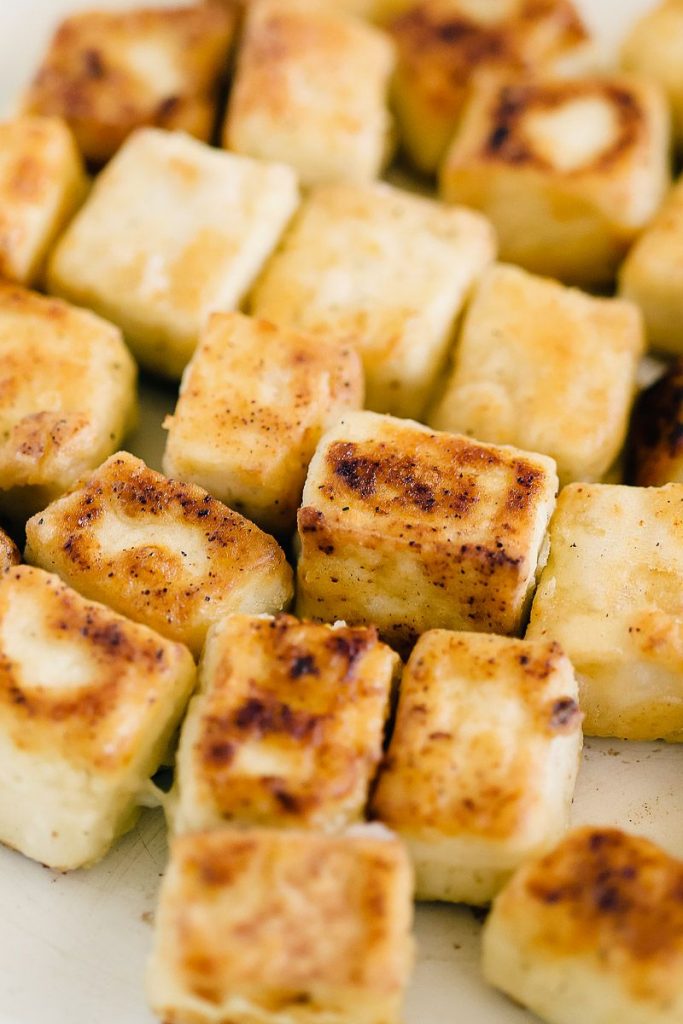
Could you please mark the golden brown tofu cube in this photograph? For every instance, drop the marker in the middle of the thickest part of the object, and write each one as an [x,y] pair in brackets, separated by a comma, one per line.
[592,932]
[275,926]
[42,182]
[443,44]
[67,397]
[162,552]
[311,89]
[88,704]
[611,595]
[480,771]
[253,404]
[568,170]
[109,72]
[287,728]
[652,275]
[384,271]
[9,552]
[157,261]
[655,454]
[547,368]
[413,530]
[654,48]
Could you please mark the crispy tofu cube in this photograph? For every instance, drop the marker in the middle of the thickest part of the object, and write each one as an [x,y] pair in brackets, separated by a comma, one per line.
[311,89]
[443,44]
[612,595]
[88,704]
[413,530]
[67,397]
[254,402]
[9,552]
[654,48]
[652,275]
[547,368]
[158,261]
[288,727]
[480,771]
[656,439]
[109,72]
[282,928]
[42,182]
[342,273]
[592,932]
[568,170]
[161,552]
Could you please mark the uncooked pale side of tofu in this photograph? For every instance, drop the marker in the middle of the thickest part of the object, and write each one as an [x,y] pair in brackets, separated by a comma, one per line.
[411,529]
[254,402]
[162,552]
[611,595]
[282,927]
[157,261]
[88,704]
[480,772]
[592,932]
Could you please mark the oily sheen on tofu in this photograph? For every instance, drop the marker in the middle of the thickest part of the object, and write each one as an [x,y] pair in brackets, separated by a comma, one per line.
[160,551]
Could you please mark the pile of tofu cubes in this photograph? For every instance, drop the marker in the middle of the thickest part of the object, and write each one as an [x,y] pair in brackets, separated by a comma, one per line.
[352,610]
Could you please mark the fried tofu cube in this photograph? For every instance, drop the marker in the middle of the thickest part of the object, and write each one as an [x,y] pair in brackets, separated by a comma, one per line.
[9,552]
[88,704]
[547,368]
[42,182]
[158,261]
[414,530]
[162,552]
[311,89]
[287,729]
[592,932]
[612,595]
[656,438]
[342,273]
[654,48]
[480,771]
[109,72]
[276,926]
[67,397]
[443,44]
[253,404]
[652,275]
[568,170]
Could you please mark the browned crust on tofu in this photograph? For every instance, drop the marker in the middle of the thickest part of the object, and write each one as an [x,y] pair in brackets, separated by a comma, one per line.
[656,437]
[9,552]
[95,724]
[612,896]
[507,142]
[86,79]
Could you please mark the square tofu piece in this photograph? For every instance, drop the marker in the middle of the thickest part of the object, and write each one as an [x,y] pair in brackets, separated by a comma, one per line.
[88,704]
[592,932]
[413,530]
[652,275]
[282,927]
[67,397]
[161,552]
[108,72]
[568,170]
[42,182]
[656,440]
[311,89]
[612,596]
[288,726]
[253,405]
[481,768]
[654,48]
[385,271]
[547,368]
[158,260]
[442,44]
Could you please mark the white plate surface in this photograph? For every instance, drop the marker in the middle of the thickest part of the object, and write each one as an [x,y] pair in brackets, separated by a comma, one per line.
[73,947]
